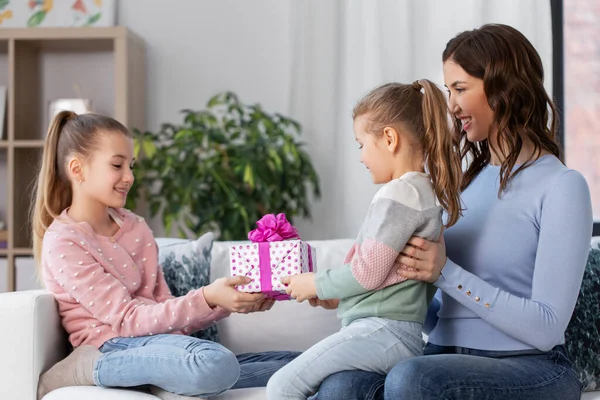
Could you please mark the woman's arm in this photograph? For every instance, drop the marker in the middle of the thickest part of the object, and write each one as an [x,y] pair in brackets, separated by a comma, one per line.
[563,246]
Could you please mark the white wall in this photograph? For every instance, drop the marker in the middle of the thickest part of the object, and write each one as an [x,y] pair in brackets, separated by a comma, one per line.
[198,48]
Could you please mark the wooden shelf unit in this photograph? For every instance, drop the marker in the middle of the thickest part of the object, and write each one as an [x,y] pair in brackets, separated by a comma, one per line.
[41,64]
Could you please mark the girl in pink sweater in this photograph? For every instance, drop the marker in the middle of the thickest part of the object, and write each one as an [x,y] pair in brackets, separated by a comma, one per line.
[100,262]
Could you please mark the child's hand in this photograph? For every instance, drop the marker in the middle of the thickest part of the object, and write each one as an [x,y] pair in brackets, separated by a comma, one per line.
[222,293]
[326,304]
[264,305]
[300,287]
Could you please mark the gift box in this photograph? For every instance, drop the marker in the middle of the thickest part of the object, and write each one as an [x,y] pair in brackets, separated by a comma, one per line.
[277,251]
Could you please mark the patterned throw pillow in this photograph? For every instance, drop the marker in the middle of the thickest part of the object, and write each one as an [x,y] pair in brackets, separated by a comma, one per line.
[186,266]
[582,337]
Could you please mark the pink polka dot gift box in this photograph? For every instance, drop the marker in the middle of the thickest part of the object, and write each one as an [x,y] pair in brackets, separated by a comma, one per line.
[276,251]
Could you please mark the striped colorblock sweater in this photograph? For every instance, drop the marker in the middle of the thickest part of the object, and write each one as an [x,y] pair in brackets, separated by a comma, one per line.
[368,284]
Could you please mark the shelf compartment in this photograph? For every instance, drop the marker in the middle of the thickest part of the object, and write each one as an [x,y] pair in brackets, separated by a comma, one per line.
[4,190]
[46,70]
[26,166]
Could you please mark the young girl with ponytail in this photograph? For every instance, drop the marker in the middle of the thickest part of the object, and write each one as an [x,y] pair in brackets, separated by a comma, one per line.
[407,144]
[100,261]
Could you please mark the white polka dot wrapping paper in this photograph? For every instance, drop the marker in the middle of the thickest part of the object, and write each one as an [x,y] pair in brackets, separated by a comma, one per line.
[267,262]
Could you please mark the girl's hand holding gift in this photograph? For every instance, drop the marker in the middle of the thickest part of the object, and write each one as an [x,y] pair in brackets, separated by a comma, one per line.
[222,293]
[300,287]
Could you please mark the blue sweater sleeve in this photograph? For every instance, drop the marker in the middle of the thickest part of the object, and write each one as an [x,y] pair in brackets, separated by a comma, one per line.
[564,239]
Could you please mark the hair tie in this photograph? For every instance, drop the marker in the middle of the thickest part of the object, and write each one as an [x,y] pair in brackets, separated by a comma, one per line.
[417,86]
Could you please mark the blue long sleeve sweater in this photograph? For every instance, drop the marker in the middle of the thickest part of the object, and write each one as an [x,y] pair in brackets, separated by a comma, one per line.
[515,262]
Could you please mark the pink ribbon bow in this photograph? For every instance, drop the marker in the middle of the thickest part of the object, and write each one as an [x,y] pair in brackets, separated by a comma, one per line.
[271,228]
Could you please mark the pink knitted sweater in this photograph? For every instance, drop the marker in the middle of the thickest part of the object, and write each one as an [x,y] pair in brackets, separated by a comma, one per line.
[110,287]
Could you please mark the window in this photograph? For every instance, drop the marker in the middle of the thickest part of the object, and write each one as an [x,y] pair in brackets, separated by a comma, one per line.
[581,19]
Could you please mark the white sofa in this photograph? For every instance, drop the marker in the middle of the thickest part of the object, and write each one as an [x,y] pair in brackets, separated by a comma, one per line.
[33,340]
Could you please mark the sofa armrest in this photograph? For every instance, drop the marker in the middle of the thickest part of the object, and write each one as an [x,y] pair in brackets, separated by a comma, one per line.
[32,340]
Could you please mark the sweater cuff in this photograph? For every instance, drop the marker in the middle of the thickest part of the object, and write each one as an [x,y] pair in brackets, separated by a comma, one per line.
[320,284]
[196,297]
[465,287]
[446,274]
[219,313]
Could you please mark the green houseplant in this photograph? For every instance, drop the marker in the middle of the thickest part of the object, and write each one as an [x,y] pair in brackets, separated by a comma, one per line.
[223,168]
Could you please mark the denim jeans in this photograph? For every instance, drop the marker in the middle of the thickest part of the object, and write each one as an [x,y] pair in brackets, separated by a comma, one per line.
[367,344]
[450,373]
[183,365]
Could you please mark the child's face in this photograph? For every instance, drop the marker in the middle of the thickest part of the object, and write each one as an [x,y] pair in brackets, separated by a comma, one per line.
[374,153]
[108,173]
[468,102]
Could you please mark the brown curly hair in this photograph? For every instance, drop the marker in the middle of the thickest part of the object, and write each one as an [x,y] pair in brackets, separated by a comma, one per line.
[513,81]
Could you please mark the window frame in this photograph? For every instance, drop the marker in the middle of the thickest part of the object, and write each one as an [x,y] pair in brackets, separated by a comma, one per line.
[558,75]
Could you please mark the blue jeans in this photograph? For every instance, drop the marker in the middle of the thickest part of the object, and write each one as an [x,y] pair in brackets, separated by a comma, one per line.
[450,373]
[183,365]
[367,344]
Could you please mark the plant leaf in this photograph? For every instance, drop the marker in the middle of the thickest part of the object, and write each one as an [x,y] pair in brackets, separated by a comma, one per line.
[149,148]
[248,176]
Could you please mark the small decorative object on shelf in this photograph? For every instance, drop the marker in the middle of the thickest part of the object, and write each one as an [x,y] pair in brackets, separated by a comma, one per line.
[79,106]
[3,236]
[62,13]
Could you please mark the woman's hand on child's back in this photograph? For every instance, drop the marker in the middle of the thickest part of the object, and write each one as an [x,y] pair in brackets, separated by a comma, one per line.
[222,292]
[331,304]
[421,259]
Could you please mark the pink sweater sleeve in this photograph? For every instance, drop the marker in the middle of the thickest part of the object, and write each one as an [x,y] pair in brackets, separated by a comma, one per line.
[107,299]
[216,314]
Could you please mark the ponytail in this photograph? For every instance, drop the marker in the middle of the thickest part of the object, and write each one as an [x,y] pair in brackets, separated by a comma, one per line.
[53,190]
[441,150]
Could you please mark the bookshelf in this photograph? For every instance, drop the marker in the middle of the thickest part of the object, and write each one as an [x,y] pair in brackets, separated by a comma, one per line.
[38,65]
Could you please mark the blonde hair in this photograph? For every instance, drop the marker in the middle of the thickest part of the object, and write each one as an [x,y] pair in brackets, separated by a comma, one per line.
[421,110]
[69,134]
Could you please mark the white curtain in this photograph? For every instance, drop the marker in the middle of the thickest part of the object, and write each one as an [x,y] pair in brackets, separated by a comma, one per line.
[343,48]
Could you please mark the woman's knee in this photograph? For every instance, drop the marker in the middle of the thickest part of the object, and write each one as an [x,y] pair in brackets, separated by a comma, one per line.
[352,385]
[215,370]
[408,379]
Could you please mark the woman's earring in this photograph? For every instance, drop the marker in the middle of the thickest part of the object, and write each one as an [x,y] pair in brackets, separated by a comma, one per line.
[80,181]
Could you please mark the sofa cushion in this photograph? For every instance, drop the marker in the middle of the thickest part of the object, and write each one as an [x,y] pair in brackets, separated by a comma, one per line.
[100,393]
[582,337]
[186,266]
[97,393]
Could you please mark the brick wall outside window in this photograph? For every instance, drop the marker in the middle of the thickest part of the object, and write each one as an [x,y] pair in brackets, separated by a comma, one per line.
[582,92]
